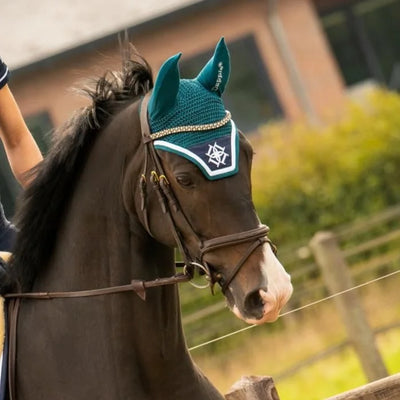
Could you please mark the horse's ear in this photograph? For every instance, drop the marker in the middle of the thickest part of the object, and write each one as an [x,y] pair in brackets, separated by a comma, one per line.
[215,74]
[165,88]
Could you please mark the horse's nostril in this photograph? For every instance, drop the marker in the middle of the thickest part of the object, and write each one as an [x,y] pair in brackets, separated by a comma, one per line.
[254,304]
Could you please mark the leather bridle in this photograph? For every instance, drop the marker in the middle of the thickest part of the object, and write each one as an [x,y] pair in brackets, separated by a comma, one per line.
[170,207]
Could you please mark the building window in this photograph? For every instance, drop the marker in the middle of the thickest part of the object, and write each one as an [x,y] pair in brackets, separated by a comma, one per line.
[40,125]
[364,38]
[249,96]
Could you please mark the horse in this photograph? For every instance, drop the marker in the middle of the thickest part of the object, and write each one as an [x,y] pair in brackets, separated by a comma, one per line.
[144,169]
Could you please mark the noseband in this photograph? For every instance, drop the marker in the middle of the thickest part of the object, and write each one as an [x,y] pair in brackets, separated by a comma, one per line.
[170,205]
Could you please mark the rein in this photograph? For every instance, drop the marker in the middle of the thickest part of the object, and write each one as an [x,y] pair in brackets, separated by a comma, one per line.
[137,286]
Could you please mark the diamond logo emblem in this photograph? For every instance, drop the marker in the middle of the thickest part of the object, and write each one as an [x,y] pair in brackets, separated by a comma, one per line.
[216,154]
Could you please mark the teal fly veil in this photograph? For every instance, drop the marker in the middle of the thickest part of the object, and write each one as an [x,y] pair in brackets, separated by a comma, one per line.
[188,117]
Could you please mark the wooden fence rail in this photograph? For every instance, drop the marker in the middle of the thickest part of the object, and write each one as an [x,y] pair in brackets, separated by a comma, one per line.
[383,389]
[263,388]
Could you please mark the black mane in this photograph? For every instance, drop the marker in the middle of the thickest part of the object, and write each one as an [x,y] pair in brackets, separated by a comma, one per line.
[42,205]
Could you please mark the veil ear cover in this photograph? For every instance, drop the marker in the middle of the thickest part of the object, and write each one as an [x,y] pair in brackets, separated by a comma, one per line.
[187,116]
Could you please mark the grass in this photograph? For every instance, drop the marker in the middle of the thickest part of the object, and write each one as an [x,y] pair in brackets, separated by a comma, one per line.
[266,350]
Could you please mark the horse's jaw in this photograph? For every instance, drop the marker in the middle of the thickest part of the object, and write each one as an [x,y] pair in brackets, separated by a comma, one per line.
[261,303]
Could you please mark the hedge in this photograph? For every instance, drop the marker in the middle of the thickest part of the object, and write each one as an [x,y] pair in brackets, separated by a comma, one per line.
[308,178]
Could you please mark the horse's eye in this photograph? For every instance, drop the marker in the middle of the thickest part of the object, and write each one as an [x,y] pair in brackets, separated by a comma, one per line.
[184,180]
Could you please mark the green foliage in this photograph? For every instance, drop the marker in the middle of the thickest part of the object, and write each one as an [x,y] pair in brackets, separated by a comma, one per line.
[338,373]
[334,375]
[312,178]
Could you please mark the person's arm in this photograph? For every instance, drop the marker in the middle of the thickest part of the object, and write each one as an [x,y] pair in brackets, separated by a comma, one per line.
[21,149]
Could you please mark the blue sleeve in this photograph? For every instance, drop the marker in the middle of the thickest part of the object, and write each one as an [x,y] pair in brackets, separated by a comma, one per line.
[4,73]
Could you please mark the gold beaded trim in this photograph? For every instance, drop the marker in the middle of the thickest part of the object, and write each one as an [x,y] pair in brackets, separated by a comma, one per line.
[192,128]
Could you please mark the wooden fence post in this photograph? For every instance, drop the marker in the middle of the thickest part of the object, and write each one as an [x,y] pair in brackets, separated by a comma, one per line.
[253,388]
[335,271]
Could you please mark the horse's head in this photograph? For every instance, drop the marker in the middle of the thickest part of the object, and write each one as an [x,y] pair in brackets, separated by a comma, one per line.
[199,164]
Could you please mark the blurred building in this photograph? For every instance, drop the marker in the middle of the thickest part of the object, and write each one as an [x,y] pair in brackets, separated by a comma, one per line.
[291,59]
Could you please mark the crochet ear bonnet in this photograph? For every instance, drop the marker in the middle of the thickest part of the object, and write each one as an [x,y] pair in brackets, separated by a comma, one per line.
[188,117]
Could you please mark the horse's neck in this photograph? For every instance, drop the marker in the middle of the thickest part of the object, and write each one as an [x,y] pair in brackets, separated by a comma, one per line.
[144,353]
